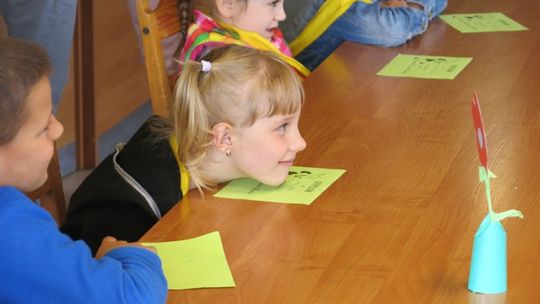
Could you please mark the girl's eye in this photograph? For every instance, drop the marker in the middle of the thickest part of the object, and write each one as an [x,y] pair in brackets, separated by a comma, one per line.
[274,3]
[283,127]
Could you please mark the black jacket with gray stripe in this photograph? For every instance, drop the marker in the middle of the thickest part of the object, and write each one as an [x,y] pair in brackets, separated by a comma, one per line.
[127,193]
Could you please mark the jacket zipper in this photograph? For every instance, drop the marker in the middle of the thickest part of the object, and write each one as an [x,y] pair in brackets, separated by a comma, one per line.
[134,184]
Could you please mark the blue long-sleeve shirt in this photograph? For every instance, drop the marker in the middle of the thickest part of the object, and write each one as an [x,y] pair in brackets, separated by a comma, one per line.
[38,264]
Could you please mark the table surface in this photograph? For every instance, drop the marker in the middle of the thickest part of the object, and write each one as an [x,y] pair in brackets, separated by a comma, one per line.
[398,226]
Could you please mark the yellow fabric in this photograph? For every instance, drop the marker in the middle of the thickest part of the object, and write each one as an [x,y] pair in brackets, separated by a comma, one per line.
[184,174]
[259,42]
[329,12]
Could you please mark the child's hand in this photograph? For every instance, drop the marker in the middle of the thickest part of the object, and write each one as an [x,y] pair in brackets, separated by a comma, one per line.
[109,243]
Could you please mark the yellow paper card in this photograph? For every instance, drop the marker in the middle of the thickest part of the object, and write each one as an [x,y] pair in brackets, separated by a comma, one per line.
[482,22]
[303,186]
[195,263]
[422,66]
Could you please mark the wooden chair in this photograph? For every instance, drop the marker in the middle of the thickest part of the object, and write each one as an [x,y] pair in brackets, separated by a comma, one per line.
[51,194]
[155,25]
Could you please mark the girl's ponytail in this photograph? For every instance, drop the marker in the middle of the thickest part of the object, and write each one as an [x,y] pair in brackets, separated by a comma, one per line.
[190,118]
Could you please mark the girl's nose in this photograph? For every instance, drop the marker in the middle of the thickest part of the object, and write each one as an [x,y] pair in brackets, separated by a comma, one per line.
[298,144]
[279,14]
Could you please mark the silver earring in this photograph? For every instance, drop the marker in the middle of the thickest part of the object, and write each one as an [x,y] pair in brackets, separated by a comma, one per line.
[228,153]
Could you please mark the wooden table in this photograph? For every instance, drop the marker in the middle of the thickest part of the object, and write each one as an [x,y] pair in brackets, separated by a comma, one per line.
[398,226]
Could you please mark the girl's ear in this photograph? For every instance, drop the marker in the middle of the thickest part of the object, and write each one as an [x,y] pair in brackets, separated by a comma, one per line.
[221,133]
[226,8]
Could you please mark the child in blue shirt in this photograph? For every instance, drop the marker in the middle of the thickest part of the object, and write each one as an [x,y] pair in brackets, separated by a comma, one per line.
[321,26]
[38,264]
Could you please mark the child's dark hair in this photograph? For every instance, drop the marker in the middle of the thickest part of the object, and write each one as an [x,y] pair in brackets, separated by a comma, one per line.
[186,18]
[22,65]
[185,14]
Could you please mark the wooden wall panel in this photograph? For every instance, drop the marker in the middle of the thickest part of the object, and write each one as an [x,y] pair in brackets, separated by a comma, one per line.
[119,76]
[66,110]
[3,30]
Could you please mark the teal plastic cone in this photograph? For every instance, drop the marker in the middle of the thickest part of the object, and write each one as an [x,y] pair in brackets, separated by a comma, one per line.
[488,264]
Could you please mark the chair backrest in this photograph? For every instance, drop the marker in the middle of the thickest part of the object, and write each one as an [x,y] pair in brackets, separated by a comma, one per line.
[156,24]
[51,194]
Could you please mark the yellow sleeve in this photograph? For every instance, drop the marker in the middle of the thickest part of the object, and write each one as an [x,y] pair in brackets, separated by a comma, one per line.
[329,12]
[184,174]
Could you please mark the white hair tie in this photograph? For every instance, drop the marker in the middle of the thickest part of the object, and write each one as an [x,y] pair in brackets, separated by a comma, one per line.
[206,66]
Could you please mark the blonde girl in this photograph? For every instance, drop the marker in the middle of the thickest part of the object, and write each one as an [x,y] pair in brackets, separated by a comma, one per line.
[235,115]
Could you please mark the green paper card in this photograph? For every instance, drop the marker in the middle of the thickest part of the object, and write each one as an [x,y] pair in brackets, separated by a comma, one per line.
[195,263]
[482,22]
[302,186]
[421,66]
